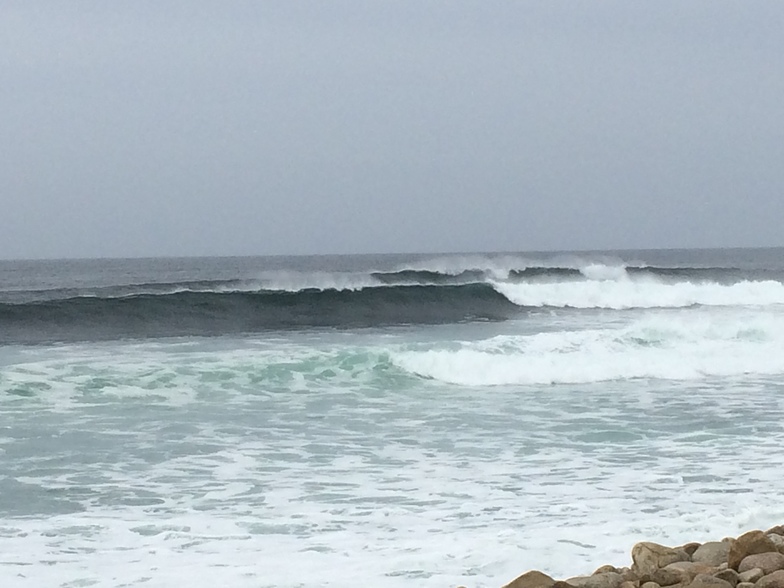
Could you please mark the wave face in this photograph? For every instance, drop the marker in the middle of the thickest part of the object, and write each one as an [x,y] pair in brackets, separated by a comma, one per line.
[216,313]
[222,299]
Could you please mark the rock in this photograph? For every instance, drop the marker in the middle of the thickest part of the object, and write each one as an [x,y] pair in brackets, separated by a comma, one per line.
[690,548]
[603,569]
[729,575]
[750,543]
[628,584]
[600,580]
[767,562]
[532,579]
[778,541]
[649,557]
[751,575]
[629,575]
[689,569]
[605,580]
[666,577]
[745,585]
[713,553]
[777,530]
[650,585]
[708,581]
[774,580]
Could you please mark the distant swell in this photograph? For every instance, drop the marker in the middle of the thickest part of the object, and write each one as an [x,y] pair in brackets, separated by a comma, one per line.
[214,313]
[426,277]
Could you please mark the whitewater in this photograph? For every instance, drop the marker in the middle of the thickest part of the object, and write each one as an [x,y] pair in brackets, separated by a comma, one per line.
[387,420]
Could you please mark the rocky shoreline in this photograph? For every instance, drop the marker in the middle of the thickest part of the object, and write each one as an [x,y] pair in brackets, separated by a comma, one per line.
[752,560]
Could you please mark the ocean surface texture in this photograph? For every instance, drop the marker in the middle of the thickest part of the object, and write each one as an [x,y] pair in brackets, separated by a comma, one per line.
[386,421]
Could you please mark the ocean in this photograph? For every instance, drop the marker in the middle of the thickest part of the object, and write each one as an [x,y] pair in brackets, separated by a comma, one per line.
[393,421]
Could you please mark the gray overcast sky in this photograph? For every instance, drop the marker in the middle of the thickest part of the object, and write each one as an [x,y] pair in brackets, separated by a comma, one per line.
[242,128]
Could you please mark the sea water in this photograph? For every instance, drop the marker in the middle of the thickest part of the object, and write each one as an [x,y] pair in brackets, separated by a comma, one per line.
[383,420]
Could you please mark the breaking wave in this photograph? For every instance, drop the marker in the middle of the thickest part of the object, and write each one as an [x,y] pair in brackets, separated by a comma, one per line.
[297,300]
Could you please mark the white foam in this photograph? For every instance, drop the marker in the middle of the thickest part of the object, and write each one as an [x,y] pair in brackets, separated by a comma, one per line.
[600,271]
[293,466]
[623,292]
[668,346]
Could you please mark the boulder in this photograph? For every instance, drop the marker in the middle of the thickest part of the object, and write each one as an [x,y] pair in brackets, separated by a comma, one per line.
[690,548]
[778,541]
[628,584]
[604,580]
[751,575]
[650,585]
[649,557]
[689,569]
[607,568]
[750,543]
[666,577]
[713,553]
[777,530]
[767,562]
[629,575]
[745,585]
[708,581]
[597,580]
[774,580]
[532,579]
[729,575]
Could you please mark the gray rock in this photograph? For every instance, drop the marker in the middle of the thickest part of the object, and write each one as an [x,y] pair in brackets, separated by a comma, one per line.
[751,575]
[650,585]
[767,562]
[577,581]
[532,579]
[713,553]
[745,585]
